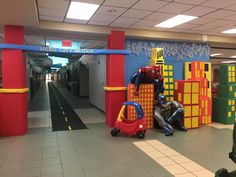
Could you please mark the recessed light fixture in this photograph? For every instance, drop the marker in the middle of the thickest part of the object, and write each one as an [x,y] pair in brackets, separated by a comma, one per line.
[232,61]
[215,54]
[230,31]
[233,56]
[175,21]
[81,11]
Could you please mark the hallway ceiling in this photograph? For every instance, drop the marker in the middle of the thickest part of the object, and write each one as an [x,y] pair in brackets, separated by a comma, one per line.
[46,19]
[215,16]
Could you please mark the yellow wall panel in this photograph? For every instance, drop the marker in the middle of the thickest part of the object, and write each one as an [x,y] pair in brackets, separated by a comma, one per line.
[195,87]
[195,98]
[187,98]
[187,87]
[187,122]
[187,73]
[195,122]
[195,110]
[179,97]
[187,111]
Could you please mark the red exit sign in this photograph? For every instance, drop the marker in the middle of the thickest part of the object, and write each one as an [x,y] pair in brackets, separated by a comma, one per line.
[66,43]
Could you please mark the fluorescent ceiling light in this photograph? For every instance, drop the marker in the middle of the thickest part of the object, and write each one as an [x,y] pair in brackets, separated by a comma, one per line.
[232,61]
[215,54]
[81,11]
[175,21]
[231,31]
[234,56]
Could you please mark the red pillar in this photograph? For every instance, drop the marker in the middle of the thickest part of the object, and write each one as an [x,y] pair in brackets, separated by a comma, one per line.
[115,70]
[13,96]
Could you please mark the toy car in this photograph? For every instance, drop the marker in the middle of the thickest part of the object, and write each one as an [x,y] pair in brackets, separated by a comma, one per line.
[130,127]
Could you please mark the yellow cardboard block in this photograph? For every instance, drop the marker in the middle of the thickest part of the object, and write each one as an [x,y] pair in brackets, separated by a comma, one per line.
[194,122]
[187,122]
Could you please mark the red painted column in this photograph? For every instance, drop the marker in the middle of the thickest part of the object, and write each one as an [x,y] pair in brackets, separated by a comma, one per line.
[13,105]
[115,75]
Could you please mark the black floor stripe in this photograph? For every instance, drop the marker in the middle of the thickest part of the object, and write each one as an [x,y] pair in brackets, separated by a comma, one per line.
[63,115]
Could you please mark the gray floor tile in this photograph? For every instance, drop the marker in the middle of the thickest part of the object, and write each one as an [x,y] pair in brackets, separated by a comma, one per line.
[67,167]
[52,169]
[54,175]
[51,161]
[31,164]
[34,172]
[74,173]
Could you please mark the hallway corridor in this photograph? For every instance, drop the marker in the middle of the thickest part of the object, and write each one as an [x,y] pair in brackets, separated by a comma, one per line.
[93,152]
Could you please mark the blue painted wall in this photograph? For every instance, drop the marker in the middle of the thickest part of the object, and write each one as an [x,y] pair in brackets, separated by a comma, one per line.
[175,53]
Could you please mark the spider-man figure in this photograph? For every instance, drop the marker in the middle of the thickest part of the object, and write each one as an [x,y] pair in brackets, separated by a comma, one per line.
[149,75]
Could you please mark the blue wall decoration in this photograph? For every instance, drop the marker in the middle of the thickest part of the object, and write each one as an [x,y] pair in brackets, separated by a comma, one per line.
[50,50]
[175,53]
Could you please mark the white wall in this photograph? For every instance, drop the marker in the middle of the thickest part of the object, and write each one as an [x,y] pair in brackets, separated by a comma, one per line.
[84,80]
[97,80]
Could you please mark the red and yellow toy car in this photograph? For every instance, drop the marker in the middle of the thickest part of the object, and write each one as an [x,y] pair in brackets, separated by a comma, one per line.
[130,127]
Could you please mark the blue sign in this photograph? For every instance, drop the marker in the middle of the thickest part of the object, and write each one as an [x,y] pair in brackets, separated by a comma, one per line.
[64,50]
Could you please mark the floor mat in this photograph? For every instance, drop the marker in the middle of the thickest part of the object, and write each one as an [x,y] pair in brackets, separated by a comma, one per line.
[63,115]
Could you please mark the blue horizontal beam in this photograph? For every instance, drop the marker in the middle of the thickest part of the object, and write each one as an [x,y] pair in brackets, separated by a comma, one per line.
[33,48]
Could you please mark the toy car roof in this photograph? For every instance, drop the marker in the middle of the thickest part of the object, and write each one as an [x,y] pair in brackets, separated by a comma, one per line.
[137,106]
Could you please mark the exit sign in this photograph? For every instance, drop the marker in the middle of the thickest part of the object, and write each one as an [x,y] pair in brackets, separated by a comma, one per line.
[66,43]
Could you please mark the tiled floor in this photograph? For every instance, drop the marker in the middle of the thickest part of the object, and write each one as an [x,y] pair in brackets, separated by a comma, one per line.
[91,115]
[38,119]
[221,126]
[93,152]
[174,162]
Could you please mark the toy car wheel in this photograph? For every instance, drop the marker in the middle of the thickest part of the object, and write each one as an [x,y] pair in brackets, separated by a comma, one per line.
[114,132]
[141,134]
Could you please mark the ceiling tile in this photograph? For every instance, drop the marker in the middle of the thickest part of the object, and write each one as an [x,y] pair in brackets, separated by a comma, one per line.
[51,12]
[160,16]
[125,20]
[221,23]
[53,4]
[203,20]
[136,13]
[186,26]
[98,23]
[199,11]
[220,14]
[175,8]
[147,23]
[218,3]
[218,30]
[203,27]
[49,18]
[194,2]
[103,18]
[109,10]
[120,3]
[152,5]
[231,18]
[69,20]
[231,7]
